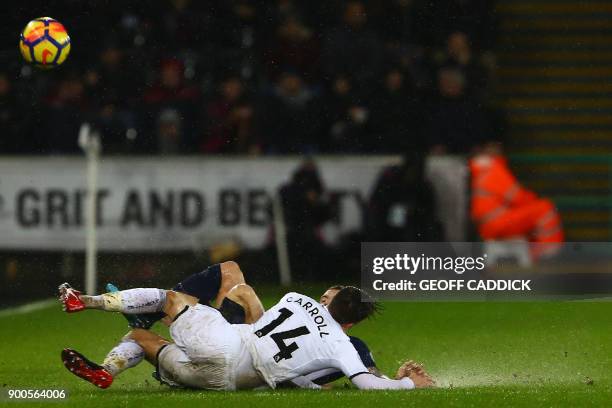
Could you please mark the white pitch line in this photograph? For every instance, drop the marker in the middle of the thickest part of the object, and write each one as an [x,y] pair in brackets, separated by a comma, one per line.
[595,299]
[28,307]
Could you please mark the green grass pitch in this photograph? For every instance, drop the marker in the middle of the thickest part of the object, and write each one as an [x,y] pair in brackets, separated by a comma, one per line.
[482,354]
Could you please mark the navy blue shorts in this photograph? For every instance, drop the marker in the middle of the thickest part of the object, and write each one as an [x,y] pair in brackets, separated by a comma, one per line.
[203,285]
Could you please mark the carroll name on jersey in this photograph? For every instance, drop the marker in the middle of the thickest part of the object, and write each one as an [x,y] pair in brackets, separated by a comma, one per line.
[313,311]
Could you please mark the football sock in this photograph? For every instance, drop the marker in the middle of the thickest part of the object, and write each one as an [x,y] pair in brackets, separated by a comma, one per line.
[125,355]
[138,321]
[131,301]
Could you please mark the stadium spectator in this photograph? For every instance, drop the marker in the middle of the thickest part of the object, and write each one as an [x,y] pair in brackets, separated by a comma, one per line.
[459,54]
[66,107]
[396,116]
[305,210]
[172,92]
[170,137]
[112,79]
[237,37]
[295,46]
[353,47]
[13,121]
[502,208]
[396,20]
[230,116]
[458,123]
[286,52]
[182,25]
[289,118]
[344,117]
[402,205]
[113,86]
[439,18]
[171,87]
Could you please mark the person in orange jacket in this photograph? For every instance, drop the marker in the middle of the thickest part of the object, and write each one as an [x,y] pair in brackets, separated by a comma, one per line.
[502,208]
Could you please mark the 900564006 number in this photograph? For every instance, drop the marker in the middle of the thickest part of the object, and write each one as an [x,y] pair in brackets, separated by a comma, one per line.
[9,394]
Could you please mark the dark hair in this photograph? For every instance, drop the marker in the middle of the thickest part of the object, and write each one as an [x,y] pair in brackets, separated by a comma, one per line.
[352,305]
[336,287]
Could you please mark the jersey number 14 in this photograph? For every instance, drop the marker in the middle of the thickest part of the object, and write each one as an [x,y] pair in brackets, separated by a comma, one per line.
[284,350]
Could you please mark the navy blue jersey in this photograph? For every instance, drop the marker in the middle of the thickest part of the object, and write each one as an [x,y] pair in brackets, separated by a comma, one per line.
[328,376]
[364,351]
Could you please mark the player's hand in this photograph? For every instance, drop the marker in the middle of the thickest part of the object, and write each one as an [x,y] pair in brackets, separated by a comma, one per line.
[402,371]
[416,373]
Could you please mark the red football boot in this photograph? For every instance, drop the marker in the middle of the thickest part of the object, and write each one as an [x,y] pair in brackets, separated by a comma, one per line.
[70,298]
[80,366]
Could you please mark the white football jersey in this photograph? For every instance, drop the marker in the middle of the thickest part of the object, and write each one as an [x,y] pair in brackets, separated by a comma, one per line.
[296,337]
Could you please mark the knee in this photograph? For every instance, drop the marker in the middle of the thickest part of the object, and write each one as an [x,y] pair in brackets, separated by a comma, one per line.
[137,335]
[231,274]
[230,267]
[242,290]
[171,296]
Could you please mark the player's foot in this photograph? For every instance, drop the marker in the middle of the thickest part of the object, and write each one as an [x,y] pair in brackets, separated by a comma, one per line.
[138,321]
[80,366]
[70,298]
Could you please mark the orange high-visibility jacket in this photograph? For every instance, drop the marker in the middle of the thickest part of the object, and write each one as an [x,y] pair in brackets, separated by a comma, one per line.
[494,188]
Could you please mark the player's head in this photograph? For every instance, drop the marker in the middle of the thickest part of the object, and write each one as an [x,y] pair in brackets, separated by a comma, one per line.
[329,294]
[351,305]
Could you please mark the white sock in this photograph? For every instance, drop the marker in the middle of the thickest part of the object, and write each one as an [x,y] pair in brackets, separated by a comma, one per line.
[125,355]
[134,301]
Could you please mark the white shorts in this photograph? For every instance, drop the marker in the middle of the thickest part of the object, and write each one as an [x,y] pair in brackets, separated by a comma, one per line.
[205,353]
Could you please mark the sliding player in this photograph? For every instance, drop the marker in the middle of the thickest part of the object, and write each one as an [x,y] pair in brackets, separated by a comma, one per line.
[210,353]
[223,286]
[237,308]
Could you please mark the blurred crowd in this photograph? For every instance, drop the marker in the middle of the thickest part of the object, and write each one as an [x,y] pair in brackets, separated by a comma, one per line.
[257,77]
[401,208]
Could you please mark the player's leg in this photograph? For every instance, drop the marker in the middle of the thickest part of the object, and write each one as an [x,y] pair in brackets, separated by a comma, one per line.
[231,275]
[177,303]
[151,343]
[130,351]
[131,301]
[241,305]
[213,283]
[207,340]
[86,369]
[127,354]
[137,321]
[172,365]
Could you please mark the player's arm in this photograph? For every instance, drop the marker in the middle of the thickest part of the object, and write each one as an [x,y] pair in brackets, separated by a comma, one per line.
[327,376]
[305,383]
[410,375]
[218,284]
[368,381]
[351,365]
[375,371]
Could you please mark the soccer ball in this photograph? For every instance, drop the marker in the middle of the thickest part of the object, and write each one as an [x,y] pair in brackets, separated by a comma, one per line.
[44,43]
